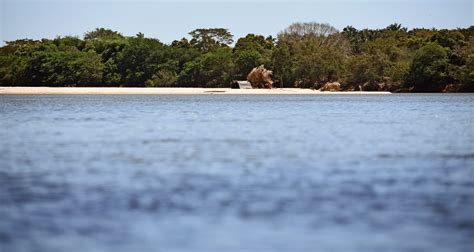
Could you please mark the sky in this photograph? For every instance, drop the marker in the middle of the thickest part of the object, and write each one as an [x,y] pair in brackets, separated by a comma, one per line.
[170,20]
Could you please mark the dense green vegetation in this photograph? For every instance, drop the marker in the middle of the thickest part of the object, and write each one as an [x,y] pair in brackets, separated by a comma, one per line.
[303,55]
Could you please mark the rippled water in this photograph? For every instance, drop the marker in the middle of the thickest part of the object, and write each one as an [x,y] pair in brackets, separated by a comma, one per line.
[237,173]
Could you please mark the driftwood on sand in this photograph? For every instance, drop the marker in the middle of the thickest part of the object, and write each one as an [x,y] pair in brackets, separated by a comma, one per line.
[331,86]
[260,77]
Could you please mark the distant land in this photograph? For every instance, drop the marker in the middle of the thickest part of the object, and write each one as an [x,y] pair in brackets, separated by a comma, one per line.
[303,55]
[170,91]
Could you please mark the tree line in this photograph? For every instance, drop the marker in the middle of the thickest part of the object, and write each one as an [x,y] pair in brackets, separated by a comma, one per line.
[305,55]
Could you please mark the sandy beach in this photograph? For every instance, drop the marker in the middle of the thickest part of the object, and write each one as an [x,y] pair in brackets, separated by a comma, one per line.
[169,91]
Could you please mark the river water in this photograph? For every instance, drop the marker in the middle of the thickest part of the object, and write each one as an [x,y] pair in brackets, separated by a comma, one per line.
[237,173]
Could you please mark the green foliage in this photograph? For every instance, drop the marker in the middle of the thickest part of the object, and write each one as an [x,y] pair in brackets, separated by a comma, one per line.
[251,51]
[365,68]
[69,42]
[139,60]
[13,70]
[59,68]
[282,63]
[463,72]
[247,60]
[209,39]
[183,43]
[163,78]
[429,69]
[212,69]
[382,60]
[102,33]
[256,42]
[357,38]
[303,55]
[449,39]
[310,54]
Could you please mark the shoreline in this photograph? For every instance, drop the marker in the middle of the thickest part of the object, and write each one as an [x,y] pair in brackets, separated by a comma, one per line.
[171,91]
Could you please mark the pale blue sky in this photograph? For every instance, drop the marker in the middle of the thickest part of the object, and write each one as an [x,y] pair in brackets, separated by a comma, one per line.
[168,20]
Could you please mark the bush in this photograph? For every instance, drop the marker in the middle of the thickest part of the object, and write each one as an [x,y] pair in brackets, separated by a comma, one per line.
[428,71]
[163,78]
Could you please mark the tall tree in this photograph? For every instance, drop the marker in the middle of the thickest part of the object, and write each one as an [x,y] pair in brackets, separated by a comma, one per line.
[428,71]
[251,51]
[102,33]
[212,69]
[317,54]
[210,39]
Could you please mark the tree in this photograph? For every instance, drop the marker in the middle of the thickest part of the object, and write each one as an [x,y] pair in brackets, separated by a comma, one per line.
[64,68]
[282,64]
[462,71]
[212,69]
[210,39]
[108,51]
[163,78]
[183,43]
[139,60]
[396,27]
[69,42]
[251,51]
[246,60]
[102,33]
[383,60]
[252,41]
[354,37]
[314,53]
[298,31]
[449,39]
[14,58]
[303,55]
[428,71]
[366,68]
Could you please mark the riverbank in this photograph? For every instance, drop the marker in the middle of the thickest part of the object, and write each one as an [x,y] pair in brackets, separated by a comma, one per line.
[170,91]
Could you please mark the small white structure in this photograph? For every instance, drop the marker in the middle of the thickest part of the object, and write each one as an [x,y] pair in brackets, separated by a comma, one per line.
[244,85]
[241,85]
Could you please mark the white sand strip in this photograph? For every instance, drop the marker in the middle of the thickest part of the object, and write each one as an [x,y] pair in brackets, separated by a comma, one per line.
[170,91]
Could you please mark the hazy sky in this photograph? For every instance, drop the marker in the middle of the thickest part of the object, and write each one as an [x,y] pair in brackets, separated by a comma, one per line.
[169,20]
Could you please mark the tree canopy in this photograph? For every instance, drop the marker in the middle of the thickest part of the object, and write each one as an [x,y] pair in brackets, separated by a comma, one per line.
[210,39]
[305,55]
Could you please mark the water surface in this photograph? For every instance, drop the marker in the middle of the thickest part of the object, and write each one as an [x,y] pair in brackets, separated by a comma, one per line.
[237,173]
